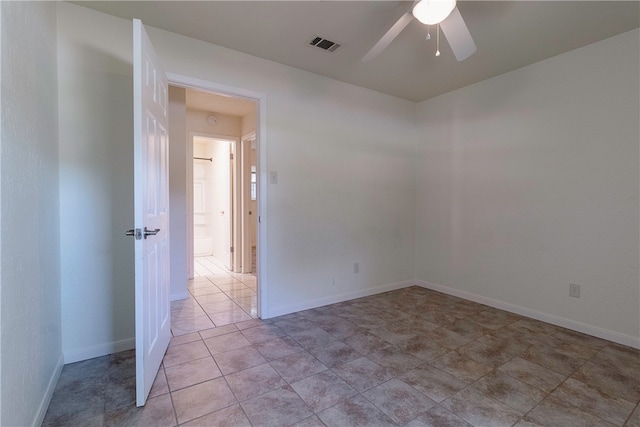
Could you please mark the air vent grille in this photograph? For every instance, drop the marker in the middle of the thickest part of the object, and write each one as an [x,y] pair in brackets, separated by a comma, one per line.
[324,44]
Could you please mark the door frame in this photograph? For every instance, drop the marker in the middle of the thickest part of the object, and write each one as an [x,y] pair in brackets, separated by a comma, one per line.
[245,194]
[261,150]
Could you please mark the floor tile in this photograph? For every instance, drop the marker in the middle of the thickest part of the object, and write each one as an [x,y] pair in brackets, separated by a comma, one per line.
[228,317]
[564,359]
[213,299]
[262,333]
[341,329]
[157,412]
[434,383]
[446,338]
[396,359]
[119,393]
[491,351]
[254,381]
[201,399]
[187,326]
[231,416]
[472,363]
[494,319]
[480,410]
[610,408]
[468,329]
[554,412]
[334,352]
[612,374]
[218,307]
[122,365]
[362,373]
[160,385]
[184,339]
[365,343]
[634,419]
[297,366]
[392,335]
[191,373]
[238,360]
[277,408]
[398,400]
[217,331]
[277,348]
[461,367]
[532,374]
[356,411]
[226,342]
[323,390]
[313,337]
[312,421]
[437,416]
[506,389]
[182,353]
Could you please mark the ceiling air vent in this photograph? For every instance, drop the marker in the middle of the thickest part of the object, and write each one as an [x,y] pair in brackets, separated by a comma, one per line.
[324,44]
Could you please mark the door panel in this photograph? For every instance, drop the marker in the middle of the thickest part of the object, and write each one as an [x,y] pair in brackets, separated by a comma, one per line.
[151,211]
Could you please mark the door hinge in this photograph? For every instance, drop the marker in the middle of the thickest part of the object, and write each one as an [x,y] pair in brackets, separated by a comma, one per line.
[231,249]
[231,156]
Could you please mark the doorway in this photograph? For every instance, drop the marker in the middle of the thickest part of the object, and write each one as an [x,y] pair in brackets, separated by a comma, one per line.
[223,285]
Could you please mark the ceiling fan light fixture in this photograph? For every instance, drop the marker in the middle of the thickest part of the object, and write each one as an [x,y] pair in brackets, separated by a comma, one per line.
[431,12]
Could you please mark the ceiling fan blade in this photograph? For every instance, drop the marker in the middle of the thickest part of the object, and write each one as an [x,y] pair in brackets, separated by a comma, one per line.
[458,35]
[388,37]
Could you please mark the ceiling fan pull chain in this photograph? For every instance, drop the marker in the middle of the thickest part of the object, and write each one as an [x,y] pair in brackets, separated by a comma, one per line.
[438,40]
[428,32]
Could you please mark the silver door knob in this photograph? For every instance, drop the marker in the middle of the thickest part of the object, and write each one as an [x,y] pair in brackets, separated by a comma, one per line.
[150,232]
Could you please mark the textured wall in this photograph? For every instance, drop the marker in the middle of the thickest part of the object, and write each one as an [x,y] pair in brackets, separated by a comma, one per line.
[30,292]
[529,181]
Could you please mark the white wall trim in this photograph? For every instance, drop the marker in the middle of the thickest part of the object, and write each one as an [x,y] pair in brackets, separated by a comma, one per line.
[538,315]
[178,297]
[332,299]
[99,350]
[46,399]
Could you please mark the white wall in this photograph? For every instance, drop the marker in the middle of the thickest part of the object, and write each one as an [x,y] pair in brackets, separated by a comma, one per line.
[96,183]
[177,191]
[31,356]
[530,181]
[344,181]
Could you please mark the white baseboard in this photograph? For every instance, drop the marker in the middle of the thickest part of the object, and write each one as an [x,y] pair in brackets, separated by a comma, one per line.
[99,350]
[538,315]
[332,299]
[46,399]
[178,297]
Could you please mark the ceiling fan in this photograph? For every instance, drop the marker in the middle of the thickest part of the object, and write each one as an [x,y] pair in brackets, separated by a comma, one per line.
[445,14]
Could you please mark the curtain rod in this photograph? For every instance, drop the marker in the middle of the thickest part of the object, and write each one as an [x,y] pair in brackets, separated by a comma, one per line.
[204,158]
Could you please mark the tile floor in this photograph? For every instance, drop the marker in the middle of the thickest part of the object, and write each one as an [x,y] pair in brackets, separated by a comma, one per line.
[217,297]
[411,357]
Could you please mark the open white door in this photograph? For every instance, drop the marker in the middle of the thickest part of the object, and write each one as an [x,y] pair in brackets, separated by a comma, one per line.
[151,211]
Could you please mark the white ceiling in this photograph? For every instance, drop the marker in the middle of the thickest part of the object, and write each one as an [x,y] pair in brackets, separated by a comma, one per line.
[509,35]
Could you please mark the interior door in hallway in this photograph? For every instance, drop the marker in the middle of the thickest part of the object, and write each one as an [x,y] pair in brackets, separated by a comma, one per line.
[151,211]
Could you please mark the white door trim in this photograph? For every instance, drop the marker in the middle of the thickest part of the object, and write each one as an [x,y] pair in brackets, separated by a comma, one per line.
[261,135]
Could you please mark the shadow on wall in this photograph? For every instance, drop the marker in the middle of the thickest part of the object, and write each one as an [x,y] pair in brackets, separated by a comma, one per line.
[96,185]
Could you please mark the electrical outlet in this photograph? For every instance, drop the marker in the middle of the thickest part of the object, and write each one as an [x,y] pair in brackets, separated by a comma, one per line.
[356,267]
[574,290]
